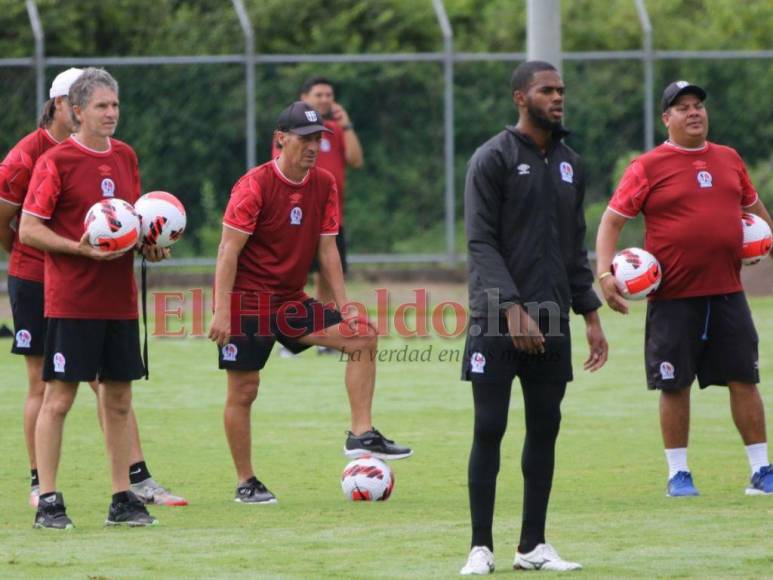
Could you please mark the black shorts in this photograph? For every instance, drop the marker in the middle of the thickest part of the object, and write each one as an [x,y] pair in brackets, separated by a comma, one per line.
[249,350]
[341,245]
[29,326]
[85,350]
[712,337]
[495,358]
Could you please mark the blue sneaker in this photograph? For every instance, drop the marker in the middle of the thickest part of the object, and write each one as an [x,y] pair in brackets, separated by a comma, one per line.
[681,485]
[762,482]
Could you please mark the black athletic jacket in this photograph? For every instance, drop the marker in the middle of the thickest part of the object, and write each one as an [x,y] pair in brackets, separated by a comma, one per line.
[526,227]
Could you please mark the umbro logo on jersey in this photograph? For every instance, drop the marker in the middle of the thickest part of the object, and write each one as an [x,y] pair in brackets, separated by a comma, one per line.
[296,215]
[108,187]
[704,178]
[523,169]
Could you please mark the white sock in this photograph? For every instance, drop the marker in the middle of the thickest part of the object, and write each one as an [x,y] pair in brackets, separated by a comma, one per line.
[677,460]
[758,456]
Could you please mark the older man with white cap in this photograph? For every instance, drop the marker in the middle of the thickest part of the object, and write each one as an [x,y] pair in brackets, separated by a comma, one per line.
[25,282]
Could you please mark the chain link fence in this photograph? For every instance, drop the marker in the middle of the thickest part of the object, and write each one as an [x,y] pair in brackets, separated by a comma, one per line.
[190,119]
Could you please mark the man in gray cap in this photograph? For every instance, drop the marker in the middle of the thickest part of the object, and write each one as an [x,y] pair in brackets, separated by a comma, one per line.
[279,215]
[698,321]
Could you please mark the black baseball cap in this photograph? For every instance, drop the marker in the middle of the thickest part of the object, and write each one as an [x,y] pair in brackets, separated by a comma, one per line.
[679,88]
[300,118]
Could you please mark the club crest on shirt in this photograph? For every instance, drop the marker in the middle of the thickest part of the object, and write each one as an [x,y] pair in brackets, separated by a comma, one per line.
[23,338]
[296,215]
[108,187]
[477,363]
[229,352]
[704,178]
[324,145]
[59,362]
[666,371]
[567,171]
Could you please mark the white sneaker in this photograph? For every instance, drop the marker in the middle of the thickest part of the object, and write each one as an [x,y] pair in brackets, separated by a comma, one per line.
[543,557]
[150,492]
[480,562]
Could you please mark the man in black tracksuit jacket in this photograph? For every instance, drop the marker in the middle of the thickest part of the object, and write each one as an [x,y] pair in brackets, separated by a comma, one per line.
[527,266]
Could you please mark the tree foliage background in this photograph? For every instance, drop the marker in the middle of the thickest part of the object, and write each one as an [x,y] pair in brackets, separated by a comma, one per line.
[186,122]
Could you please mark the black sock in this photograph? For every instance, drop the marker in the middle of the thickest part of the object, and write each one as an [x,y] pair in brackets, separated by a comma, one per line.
[34,478]
[138,472]
[121,497]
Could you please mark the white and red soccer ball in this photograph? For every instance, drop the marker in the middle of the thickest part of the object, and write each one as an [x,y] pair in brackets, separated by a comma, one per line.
[637,273]
[112,225]
[163,218]
[757,239]
[367,479]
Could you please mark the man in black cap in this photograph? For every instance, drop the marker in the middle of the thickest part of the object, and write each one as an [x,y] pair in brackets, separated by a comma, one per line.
[692,194]
[279,214]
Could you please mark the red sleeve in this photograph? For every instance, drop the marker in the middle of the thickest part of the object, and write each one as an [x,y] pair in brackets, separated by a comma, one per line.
[45,187]
[243,208]
[15,172]
[331,218]
[748,194]
[631,192]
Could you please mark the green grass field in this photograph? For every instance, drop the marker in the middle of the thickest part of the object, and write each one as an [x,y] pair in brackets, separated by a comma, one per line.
[608,509]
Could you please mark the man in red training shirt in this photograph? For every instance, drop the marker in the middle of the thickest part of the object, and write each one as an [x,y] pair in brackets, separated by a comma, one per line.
[90,296]
[25,286]
[692,193]
[279,215]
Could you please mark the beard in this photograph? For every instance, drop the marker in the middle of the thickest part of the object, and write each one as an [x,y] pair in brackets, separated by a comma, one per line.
[541,119]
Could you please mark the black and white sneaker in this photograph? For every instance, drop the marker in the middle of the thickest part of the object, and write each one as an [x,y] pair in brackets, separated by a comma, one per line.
[253,491]
[373,443]
[52,514]
[131,512]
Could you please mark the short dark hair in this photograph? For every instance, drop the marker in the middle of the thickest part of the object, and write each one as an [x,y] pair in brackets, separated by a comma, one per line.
[524,73]
[313,81]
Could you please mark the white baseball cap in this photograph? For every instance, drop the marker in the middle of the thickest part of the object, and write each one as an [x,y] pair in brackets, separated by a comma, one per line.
[63,81]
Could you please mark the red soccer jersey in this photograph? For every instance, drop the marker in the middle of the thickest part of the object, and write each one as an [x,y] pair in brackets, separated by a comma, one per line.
[692,202]
[284,220]
[15,172]
[332,156]
[66,182]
